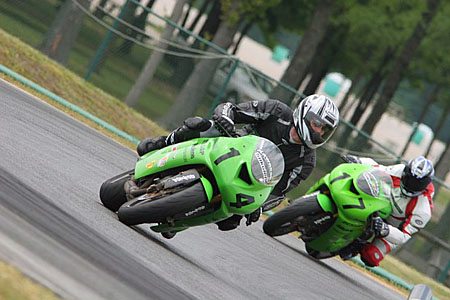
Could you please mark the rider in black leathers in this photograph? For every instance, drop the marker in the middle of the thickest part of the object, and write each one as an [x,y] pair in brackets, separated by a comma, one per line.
[297,134]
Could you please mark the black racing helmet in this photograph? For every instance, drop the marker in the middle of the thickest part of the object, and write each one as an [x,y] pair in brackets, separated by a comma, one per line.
[416,176]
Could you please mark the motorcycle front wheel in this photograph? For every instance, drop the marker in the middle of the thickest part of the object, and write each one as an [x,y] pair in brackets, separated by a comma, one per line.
[284,221]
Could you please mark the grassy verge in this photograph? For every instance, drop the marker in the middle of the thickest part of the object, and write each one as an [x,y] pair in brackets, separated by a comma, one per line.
[408,274]
[30,63]
[14,285]
[398,268]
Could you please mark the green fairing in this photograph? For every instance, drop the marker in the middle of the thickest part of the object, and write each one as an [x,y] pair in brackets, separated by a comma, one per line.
[351,203]
[227,158]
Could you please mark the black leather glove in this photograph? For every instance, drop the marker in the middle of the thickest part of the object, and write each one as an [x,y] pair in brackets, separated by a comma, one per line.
[224,124]
[351,159]
[379,227]
[253,217]
[351,250]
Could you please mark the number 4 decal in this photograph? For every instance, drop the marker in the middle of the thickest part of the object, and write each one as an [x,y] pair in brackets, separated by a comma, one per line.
[239,203]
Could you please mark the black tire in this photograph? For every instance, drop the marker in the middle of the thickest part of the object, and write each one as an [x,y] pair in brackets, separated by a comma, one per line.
[282,222]
[112,192]
[158,210]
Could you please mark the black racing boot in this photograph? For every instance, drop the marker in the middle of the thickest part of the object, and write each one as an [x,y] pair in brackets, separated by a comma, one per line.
[150,144]
[191,129]
[229,223]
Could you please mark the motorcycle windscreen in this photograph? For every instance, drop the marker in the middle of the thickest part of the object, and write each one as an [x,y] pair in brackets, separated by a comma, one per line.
[267,163]
[375,183]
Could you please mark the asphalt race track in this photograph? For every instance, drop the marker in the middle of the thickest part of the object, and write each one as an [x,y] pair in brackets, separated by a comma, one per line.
[54,228]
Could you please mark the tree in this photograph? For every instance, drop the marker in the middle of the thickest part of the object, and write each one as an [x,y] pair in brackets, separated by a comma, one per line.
[195,87]
[401,64]
[100,9]
[211,25]
[433,95]
[139,21]
[371,88]
[63,32]
[442,166]
[324,56]
[152,63]
[304,53]
[439,126]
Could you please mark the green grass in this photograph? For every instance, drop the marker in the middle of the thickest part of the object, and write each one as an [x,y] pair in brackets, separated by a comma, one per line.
[30,21]
[443,197]
[15,286]
[38,68]
[410,275]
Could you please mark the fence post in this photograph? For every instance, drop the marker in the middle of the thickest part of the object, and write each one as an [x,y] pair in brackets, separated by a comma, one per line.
[105,43]
[444,274]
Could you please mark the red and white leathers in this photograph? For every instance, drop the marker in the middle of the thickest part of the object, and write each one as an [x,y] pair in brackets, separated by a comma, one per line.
[409,215]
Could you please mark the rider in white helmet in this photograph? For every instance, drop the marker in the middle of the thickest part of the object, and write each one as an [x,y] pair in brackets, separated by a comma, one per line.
[412,201]
[297,133]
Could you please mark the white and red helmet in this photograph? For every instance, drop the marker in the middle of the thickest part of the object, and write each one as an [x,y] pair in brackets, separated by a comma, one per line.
[320,111]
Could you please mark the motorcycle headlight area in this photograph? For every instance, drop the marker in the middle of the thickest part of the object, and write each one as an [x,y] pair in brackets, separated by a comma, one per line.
[267,163]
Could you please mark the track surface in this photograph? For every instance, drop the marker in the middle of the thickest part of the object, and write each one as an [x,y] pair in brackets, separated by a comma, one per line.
[53,227]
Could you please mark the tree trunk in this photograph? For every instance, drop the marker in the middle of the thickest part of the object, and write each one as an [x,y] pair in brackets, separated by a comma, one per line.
[152,63]
[371,87]
[439,127]
[63,32]
[432,97]
[441,169]
[319,72]
[243,33]
[401,65]
[443,164]
[139,22]
[195,87]
[99,10]
[201,11]
[323,58]
[343,106]
[212,23]
[187,13]
[305,51]
[128,16]
[368,94]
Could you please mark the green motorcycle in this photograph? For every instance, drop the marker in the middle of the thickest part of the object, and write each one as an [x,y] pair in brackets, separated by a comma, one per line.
[200,181]
[336,210]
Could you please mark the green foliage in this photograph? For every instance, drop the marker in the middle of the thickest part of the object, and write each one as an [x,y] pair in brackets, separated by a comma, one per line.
[293,15]
[432,61]
[374,27]
[250,9]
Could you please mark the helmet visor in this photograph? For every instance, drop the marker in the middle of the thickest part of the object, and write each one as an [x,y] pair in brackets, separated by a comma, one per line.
[412,186]
[320,129]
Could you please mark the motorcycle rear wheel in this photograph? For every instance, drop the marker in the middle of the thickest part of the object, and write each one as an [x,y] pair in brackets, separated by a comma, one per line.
[112,192]
[283,221]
